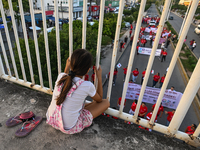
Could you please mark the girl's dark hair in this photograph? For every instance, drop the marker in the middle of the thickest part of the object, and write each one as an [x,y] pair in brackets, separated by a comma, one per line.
[81,61]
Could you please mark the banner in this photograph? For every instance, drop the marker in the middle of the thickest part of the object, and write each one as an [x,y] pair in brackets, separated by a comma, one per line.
[147,51]
[162,40]
[150,29]
[170,99]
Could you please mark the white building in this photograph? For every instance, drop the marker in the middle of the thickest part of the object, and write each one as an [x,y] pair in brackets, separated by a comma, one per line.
[63,7]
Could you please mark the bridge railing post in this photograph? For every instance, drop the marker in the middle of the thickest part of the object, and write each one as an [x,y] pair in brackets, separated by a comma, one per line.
[2,72]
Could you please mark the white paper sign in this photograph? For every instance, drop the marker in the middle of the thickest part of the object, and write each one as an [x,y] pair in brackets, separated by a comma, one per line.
[152,71]
[119,65]
[170,99]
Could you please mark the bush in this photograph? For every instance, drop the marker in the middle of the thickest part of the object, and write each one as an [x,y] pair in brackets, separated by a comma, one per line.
[127,12]
[129,19]
[106,40]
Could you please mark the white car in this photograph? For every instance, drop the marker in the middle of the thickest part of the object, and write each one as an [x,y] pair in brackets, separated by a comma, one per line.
[197,29]
[152,23]
[127,24]
[117,8]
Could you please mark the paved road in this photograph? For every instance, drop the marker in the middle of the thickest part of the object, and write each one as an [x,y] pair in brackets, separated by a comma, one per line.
[140,61]
[176,23]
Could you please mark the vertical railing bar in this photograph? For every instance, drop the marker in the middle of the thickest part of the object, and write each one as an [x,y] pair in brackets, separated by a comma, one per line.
[36,42]
[57,35]
[84,24]
[169,10]
[2,71]
[17,40]
[46,45]
[8,40]
[26,41]
[114,55]
[4,55]
[183,23]
[173,61]
[197,131]
[98,53]
[132,54]
[70,27]
[152,56]
[186,100]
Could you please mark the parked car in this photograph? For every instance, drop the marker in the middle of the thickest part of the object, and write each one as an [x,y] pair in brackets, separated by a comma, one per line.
[171,18]
[117,8]
[80,18]
[197,30]
[89,18]
[127,24]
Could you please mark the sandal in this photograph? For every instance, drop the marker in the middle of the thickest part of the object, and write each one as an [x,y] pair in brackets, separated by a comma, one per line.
[19,118]
[28,126]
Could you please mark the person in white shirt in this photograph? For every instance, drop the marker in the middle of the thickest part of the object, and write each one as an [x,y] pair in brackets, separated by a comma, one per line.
[194,45]
[68,111]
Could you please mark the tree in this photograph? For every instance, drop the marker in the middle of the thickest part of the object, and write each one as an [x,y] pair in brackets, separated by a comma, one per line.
[15,4]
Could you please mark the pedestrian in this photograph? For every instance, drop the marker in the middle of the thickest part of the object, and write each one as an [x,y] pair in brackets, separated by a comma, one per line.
[162,80]
[125,71]
[172,89]
[115,76]
[185,39]
[169,117]
[133,107]
[131,26]
[143,73]
[164,54]
[191,129]
[137,48]
[143,110]
[162,50]
[86,77]
[160,110]
[131,40]
[126,39]
[155,79]
[163,45]
[135,74]
[130,32]
[121,45]
[174,37]
[194,45]
[112,44]
[149,115]
[119,102]
[67,111]
[191,43]
[151,40]
[167,43]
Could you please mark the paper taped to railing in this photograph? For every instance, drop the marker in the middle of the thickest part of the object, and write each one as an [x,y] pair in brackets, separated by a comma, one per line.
[170,99]
[147,51]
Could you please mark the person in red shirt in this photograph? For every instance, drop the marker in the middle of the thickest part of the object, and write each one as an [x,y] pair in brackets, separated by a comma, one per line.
[191,129]
[170,115]
[131,40]
[131,26]
[119,102]
[137,48]
[133,107]
[149,115]
[135,74]
[164,54]
[92,77]
[143,110]
[160,110]
[114,76]
[86,78]
[130,32]
[191,43]
[155,79]
[143,73]
[125,71]
[162,80]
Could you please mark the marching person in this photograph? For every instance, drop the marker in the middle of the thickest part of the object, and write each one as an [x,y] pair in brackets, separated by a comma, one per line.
[191,129]
[135,74]
[160,110]
[191,43]
[125,71]
[155,79]
[143,73]
[133,107]
[169,117]
[119,102]
[164,54]
[143,110]
[126,39]
[162,80]
[130,32]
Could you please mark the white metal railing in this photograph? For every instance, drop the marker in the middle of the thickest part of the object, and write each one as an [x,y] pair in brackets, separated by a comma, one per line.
[185,102]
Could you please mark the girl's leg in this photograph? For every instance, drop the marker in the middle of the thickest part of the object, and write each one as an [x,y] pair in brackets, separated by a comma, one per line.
[97,109]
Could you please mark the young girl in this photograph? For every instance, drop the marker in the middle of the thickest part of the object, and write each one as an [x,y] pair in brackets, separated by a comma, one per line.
[67,111]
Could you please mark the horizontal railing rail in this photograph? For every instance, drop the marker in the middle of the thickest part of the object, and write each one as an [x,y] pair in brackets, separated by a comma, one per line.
[184,104]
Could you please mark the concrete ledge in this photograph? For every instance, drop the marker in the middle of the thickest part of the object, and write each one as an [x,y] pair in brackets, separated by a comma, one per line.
[106,133]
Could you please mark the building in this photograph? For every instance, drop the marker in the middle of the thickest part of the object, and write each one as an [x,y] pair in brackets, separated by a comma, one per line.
[63,7]
[185,2]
